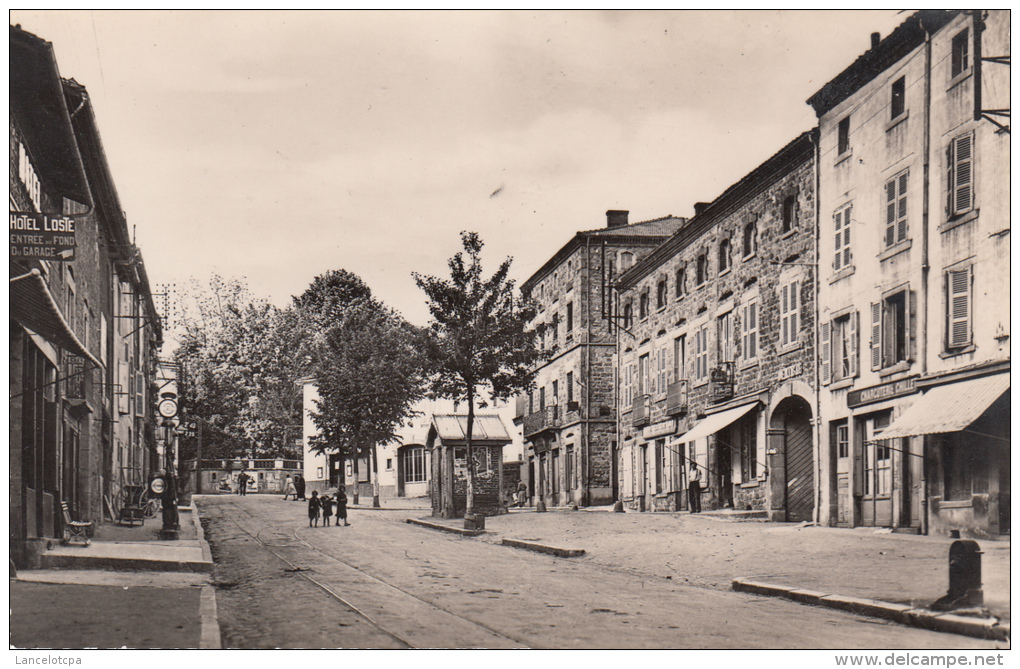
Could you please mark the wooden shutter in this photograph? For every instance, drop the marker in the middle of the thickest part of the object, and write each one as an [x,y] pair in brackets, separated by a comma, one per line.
[911,309]
[794,311]
[784,310]
[901,214]
[890,212]
[837,224]
[852,344]
[958,307]
[876,335]
[826,353]
[961,177]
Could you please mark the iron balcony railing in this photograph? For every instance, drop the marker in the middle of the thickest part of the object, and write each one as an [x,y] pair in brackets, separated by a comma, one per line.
[541,420]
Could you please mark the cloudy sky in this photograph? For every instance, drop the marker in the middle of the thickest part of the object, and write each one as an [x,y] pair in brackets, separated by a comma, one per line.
[278,145]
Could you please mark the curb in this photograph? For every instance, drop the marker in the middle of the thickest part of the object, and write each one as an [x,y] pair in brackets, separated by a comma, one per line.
[445,528]
[982,628]
[210,626]
[539,548]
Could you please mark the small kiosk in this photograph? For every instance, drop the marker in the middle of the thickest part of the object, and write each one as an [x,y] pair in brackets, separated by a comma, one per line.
[447,443]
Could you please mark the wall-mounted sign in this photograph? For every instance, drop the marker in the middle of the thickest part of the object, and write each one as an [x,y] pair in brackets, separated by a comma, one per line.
[168,408]
[658,430]
[881,392]
[43,236]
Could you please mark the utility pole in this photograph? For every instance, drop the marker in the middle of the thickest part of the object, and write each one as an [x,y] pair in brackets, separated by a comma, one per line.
[198,457]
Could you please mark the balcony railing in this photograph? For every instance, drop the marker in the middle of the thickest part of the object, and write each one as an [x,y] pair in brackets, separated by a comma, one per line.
[720,383]
[541,420]
[676,398]
[640,411]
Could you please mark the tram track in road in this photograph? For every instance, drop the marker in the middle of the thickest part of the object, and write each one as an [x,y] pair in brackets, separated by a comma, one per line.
[295,541]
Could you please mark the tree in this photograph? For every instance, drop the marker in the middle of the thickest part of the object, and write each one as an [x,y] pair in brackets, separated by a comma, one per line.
[368,365]
[480,336]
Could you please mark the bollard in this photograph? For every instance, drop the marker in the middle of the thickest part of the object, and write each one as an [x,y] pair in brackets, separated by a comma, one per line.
[618,507]
[474,521]
[540,507]
[964,577]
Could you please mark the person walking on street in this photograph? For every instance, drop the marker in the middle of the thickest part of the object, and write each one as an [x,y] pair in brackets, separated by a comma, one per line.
[313,509]
[341,506]
[299,486]
[326,502]
[242,483]
[694,489]
[288,488]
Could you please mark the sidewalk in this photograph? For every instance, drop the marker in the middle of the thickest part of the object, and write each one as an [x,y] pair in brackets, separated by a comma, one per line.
[713,550]
[128,589]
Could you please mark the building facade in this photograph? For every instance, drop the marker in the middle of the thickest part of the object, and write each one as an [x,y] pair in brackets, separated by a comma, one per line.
[569,419]
[83,329]
[716,350]
[914,279]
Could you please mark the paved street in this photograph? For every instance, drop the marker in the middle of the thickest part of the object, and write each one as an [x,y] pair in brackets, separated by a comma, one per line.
[382,583]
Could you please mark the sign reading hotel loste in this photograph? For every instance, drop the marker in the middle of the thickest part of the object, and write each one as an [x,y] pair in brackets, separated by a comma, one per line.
[43,236]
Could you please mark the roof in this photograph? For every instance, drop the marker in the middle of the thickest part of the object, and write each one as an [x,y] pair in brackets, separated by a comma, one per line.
[793,154]
[452,428]
[908,36]
[41,115]
[643,233]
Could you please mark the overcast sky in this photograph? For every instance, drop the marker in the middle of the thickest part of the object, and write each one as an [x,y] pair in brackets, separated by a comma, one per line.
[279,145]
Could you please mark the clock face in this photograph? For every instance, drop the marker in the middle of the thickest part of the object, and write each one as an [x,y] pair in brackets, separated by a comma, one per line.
[168,408]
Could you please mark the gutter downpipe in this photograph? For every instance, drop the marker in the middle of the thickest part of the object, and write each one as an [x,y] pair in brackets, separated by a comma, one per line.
[816,140]
[586,371]
[925,268]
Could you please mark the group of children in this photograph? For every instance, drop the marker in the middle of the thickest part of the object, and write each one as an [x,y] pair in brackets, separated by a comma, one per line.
[325,505]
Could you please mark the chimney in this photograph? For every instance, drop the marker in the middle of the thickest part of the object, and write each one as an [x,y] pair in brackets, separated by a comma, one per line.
[700,207]
[616,218]
[875,39]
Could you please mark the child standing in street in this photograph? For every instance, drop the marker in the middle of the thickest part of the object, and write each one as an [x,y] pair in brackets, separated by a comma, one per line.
[313,509]
[327,509]
[341,506]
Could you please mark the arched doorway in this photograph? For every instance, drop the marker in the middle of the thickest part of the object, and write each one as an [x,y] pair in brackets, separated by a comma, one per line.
[790,426]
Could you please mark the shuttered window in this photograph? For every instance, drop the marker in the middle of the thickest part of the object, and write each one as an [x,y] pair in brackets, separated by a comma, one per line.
[825,356]
[841,228]
[789,313]
[958,307]
[876,335]
[896,210]
[701,353]
[960,161]
[749,331]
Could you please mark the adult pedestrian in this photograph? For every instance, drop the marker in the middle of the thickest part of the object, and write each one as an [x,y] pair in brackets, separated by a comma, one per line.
[313,509]
[288,488]
[299,486]
[694,489]
[341,506]
[326,502]
[242,483]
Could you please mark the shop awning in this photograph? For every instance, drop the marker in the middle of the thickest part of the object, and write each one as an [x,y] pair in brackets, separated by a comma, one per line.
[716,422]
[949,408]
[33,306]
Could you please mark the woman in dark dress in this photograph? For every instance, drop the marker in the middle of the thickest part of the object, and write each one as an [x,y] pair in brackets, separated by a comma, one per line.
[341,506]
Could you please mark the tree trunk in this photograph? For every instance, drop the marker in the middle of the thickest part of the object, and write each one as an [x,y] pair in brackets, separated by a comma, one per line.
[470,452]
[354,495]
[375,478]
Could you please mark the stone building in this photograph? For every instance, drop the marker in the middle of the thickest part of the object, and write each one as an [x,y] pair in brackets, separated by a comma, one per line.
[716,351]
[84,333]
[914,278]
[569,419]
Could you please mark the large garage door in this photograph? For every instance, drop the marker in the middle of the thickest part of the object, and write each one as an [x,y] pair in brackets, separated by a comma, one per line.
[799,469]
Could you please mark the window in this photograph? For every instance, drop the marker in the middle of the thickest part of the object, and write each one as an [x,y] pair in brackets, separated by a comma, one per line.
[628,315]
[841,227]
[661,453]
[531,401]
[626,383]
[724,256]
[555,392]
[749,448]
[789,213]
[681,282]
[701,275]
[961,53]
[958,308]
[959,159]
[898,103]
[843,136]
[841,437]
[844,354]
[750,239]
[701,354]
[749,330]
[642,379]
[570,320]
[569,467]
[541,398]
[661,293]
[724,337]
[626,260]
[679,357]
[892,330]
[896,210]
[389,464]
[663,370]
[789,313]
[643,305]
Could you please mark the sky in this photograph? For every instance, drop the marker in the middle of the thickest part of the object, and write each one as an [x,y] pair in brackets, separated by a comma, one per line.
[275,146]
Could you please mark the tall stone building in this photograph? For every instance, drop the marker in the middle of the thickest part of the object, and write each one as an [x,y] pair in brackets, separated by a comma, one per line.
[569,419]
[83,329]
[914,278]
[717,349]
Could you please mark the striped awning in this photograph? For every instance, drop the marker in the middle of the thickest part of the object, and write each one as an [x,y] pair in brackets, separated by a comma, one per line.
[33,306]
[716,422]
[949,408]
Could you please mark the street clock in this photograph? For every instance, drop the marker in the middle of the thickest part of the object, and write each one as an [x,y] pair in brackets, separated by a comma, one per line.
[168,408]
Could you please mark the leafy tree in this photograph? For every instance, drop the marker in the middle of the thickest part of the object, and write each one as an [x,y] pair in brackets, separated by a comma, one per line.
[238,372]
[480,336]
[368,365]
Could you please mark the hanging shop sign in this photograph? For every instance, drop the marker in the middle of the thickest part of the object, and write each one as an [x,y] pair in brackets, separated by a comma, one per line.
[43,236]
